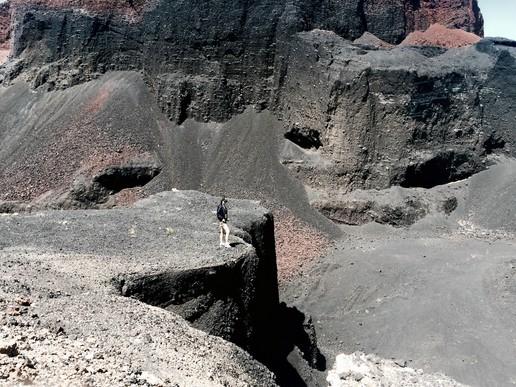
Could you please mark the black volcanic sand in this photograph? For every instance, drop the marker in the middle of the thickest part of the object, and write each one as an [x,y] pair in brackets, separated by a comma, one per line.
[440,295]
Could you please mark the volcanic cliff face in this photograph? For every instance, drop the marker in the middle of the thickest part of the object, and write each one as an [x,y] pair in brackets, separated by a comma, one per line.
[409,117]
[88,285]
[376,117]
[224,51]
[390,20]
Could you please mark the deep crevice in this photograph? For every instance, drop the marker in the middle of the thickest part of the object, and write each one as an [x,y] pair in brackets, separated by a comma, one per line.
[237,301]
[211,299]
[184,105]
[493,142]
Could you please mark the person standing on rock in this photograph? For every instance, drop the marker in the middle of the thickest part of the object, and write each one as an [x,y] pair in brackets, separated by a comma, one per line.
[222,216]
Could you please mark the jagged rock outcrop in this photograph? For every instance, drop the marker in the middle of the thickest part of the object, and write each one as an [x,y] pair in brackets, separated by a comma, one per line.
[80,268]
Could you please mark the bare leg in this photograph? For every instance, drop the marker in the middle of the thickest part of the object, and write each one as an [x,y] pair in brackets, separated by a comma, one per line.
[221,229]
[226,229]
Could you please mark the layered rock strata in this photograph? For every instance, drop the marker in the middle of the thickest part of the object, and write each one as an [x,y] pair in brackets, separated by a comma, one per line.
[224,51]
[461,14]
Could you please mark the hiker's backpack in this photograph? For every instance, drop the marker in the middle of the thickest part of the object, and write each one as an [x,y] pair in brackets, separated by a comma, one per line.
[221,214]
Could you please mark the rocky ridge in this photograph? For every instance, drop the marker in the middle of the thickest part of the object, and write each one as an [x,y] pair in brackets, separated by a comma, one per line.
[408,116]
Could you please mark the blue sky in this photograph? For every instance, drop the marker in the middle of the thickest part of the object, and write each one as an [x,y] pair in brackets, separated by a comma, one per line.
[499,17]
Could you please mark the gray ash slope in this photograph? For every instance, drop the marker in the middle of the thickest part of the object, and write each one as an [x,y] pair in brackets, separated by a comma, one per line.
[438,295]
[113,120]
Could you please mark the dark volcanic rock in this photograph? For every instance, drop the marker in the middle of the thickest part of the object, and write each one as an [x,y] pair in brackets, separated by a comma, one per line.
[76,263]
[235,300]
[396,206]
[409,116]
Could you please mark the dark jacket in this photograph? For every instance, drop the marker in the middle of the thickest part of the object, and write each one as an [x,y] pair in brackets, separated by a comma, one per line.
[222,213]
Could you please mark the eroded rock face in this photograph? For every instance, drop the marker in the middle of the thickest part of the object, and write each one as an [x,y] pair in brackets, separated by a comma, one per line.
[415,117]
[127,8]
[376,117]
[463,14]
[224,51]
[396,206]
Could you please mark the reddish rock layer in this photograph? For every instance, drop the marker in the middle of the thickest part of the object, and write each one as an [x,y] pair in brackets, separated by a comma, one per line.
[438,35]
[298,245]
[460,14]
